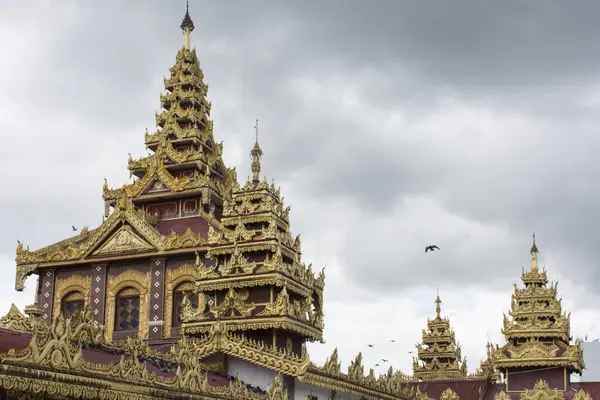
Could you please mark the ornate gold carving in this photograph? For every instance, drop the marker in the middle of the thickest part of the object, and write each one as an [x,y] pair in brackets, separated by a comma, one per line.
[502,396]
[124,240]
[582,395]
[60,348]
[174,278]
[449,394]
[232,304]
[421,396]
[541,391]
[130,278]
[23,271]
[439,343]
[14,320]
[188,239]
[538,334]
[73,283]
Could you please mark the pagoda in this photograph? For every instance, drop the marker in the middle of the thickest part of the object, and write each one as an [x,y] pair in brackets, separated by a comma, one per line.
[537,334]
[438,356]
[252,275]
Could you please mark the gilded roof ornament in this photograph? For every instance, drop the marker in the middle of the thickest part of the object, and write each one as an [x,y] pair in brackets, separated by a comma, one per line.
[256,153]
[534,252]
[439,356]
[187,26]
[538,331]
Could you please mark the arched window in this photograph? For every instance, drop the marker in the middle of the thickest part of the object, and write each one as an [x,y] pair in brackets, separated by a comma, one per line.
[178,293]
[72,304]
[127,312]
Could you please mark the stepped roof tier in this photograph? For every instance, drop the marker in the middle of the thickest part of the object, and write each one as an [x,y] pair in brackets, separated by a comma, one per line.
[538,332]
[439,356]
[254,248]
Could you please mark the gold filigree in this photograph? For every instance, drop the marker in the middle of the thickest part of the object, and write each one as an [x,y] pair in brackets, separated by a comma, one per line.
[130,278]
[60,348]
[232,304]
[14,320]
[73,283]
[174,278]
[582,395]
[420,395]
[23,271]
[237,264]
[188,239]
[449,394]
[124,240]
[541,391]
[281,306]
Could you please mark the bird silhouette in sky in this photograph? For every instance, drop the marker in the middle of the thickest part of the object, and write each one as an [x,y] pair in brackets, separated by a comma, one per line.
[74,229]
[370,345]
[393,341]
[384,360]
[431,247]
[377,365]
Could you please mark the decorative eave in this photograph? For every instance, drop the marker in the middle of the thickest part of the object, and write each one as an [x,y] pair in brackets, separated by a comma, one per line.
[536,328]
[86,241]
[330,376]
[258,323]
[535,354]
[253,280]
[53,363]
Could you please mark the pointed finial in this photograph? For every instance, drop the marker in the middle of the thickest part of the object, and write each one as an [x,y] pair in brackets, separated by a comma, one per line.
[438,302]
[255,154]
[534,252]
[187,26]
[256,130]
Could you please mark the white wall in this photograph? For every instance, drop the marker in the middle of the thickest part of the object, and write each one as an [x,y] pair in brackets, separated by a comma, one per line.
[591,357]
[250,373]
[302,390]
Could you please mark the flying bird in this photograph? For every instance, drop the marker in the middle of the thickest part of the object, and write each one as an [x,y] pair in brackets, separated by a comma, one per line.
[393,341]
[370,345]
[432,248]
[384,360]
[410,352]
[74,229]
[377,365]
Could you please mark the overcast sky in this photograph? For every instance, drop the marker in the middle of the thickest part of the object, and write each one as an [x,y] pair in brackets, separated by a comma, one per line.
[464,124]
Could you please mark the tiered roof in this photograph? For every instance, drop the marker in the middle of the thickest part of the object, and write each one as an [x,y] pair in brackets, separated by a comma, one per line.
[439,356]
[538,332]
[255,248]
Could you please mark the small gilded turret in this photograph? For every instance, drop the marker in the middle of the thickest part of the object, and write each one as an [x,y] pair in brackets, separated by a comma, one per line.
[187,26]
[537,332]
[256,153]
[439,356]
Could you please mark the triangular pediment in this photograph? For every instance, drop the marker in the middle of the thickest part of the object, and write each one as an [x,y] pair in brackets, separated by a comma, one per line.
[155,186]
[123,240]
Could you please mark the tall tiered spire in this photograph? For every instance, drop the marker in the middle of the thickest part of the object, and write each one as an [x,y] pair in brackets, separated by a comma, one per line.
[186,156]
[255,154]
[538,332]
[439,356]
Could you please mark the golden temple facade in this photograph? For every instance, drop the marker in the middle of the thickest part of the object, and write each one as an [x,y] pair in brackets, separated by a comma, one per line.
[193,287]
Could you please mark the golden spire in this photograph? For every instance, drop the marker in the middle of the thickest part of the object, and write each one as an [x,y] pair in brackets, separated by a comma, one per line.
[438,302]
[534,252]
[255,154]
[187,26]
